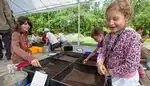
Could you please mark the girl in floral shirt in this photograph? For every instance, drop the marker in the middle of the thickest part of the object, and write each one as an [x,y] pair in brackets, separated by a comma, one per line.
[121,49]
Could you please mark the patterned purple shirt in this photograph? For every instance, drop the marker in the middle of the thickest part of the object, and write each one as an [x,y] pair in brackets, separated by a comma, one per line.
[125,57]
[100,44]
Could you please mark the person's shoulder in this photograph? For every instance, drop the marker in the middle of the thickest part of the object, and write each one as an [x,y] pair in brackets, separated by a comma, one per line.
[130,33]
[129,30]
[48,33]
[15,33]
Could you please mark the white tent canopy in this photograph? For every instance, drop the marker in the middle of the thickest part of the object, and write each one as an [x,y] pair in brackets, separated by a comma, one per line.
[23,7]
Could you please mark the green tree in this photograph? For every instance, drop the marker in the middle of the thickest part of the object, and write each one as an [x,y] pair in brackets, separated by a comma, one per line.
[67,19]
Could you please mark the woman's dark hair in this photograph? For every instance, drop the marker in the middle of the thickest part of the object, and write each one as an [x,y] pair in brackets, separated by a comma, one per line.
[96,31]
[21,20]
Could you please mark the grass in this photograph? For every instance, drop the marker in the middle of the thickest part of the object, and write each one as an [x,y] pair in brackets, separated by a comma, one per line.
[147,41]
[89,41]
[86,40]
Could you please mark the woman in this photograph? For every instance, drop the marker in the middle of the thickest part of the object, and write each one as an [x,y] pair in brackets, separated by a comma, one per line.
[20,52]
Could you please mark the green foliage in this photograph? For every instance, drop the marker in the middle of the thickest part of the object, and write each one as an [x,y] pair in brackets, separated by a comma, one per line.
[141,13]
[67,19]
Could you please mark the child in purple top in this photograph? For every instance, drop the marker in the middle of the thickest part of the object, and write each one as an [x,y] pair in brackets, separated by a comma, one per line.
[100,44]
[120,55]
[98,35]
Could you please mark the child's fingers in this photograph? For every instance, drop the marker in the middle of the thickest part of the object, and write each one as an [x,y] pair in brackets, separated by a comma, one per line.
[39,64]
[104,69]
[100,72]
[103,72]
[84,61]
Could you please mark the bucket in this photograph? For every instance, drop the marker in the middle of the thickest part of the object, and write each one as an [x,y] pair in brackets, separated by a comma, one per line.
[17,79]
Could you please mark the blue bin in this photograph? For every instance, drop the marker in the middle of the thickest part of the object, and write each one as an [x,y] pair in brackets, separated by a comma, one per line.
[88,53]
[28,84]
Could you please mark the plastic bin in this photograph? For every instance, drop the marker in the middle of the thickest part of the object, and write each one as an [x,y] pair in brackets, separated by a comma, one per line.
[87,71]
[53,59]
[88,53]
[28,84]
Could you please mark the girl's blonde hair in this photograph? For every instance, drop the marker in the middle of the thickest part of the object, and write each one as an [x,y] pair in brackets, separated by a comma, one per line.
[123,6]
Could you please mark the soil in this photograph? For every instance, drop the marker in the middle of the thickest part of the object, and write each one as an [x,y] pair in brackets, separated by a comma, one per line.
[54,69]
[90,62]
[68,58]
[78,78]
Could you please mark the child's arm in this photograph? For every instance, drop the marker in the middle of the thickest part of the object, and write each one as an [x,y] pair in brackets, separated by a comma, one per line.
[46,41]
[47,38]
[132,50]
[143,60]
[93,53]
[100,59]
[21,53]
[16,48]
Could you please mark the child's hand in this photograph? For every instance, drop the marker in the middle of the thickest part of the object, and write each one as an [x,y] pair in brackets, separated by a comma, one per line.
[36,63]
[141,72]
[108,73]
[101,69]
[85,61]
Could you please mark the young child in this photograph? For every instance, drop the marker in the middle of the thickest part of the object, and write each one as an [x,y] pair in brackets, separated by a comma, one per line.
[20,52]
[120,55]
[98,35]
[140,31]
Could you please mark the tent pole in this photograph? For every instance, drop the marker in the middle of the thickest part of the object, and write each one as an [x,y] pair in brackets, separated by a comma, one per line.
[48,21]
[78,22]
